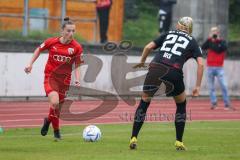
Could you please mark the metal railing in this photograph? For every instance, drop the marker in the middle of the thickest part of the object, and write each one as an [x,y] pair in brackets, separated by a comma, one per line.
[25,16]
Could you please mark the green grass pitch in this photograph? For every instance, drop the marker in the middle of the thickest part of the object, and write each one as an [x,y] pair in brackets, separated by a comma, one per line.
[204,140]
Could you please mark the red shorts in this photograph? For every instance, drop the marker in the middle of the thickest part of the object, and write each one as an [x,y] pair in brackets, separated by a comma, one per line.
[57,82]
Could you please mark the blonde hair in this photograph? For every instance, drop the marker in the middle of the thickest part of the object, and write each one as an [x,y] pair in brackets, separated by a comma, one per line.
[213,29]
[185,24]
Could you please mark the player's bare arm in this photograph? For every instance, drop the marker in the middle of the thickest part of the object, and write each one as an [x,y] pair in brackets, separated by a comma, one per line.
[200,69]
[146,51]
[36,54]
[77,74]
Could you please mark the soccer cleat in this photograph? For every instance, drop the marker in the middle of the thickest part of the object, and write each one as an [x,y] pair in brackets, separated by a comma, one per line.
[57,135]
[133,143]
[180,146]
[214,106]
[229,108]
[45,127]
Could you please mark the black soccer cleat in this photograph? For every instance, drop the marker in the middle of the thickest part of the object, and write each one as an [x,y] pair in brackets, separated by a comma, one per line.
[45,127]
[57,135]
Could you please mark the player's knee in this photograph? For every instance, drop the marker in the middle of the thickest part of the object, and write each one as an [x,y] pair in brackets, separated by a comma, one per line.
[54,99]
[55,104]
[180,98]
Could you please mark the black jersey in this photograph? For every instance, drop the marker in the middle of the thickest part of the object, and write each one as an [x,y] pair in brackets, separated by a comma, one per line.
[175,48]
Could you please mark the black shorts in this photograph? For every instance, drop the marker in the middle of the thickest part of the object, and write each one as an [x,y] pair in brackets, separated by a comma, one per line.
[163,80]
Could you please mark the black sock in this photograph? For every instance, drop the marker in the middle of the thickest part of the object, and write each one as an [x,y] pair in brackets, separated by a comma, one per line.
[139,117]
[180,120]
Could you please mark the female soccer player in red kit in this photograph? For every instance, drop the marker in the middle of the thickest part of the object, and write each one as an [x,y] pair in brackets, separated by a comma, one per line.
[64,53]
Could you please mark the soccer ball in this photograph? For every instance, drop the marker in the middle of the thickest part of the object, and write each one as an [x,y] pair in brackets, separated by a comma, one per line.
[91,133]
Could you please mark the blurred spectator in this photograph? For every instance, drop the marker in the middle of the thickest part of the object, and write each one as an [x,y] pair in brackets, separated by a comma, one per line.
[216,49]
[165,14]
[131,9]
[103,9]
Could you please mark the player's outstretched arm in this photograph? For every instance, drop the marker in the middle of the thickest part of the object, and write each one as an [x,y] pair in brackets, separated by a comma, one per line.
[200,69]
[146,51]
[77,74]
[36,54]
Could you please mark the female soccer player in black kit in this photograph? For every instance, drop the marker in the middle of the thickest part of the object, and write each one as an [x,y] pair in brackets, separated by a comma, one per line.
[175,48]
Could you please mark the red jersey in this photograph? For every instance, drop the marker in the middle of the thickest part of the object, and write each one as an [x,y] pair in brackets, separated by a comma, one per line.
[101,4]
[61,56]
[215,59]
[216,50]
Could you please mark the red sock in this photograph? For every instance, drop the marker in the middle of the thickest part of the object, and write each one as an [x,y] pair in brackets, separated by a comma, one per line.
[55,119]
[50,114]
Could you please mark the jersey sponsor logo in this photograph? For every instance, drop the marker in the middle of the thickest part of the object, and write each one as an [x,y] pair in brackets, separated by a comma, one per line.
[70,51]
[184,33]
[60,58]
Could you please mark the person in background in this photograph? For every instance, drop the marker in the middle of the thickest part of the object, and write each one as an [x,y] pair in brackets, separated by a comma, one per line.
[103,10]
[216,50]
[165,14]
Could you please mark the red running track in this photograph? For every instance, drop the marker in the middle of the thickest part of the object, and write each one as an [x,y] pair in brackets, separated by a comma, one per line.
[31,114]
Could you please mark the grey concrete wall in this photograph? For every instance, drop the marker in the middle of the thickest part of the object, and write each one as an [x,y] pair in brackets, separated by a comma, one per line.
[205,13]
[114,76]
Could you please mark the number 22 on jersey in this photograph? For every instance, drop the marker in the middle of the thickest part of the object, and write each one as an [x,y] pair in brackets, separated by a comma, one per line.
[173,42]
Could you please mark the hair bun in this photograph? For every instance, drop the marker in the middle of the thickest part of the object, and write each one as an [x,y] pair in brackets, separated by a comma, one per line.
[66,19]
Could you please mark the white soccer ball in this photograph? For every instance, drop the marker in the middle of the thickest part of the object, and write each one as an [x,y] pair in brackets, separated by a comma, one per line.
[91,133]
